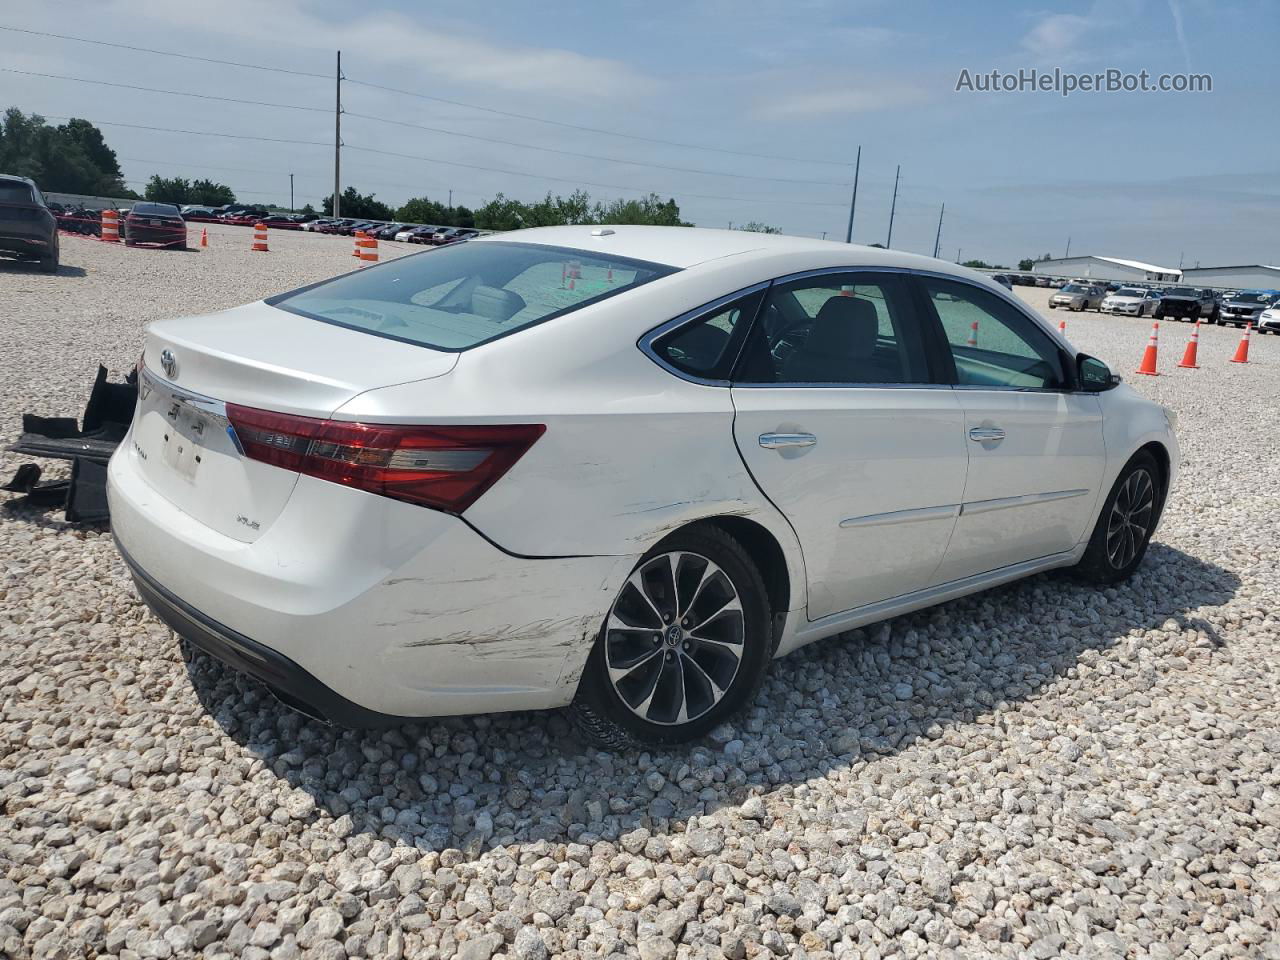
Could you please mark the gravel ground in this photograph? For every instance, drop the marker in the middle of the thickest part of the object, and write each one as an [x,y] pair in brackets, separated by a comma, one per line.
[1037,771]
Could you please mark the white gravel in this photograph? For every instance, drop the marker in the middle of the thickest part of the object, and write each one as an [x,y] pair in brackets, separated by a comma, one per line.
[1038,771]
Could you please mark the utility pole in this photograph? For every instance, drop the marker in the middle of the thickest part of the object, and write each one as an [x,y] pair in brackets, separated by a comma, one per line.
[1181,254]
[1068,253]
[450,200]
[893,207]
[853,200]
[337,138]
[957,254]
[291,193]
[938,239]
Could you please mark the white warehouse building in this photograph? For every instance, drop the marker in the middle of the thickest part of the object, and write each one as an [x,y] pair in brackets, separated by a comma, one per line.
[1106,268]
[1257,276]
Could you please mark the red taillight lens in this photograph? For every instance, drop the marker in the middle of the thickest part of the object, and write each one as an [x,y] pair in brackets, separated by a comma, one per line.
[446,467]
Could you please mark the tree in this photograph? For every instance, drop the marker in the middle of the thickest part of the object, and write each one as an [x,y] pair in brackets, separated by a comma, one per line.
[502,214]
[755,226]
[308,210]
[422,210]
[357,205]
[211,194]
[72,158]
[1026,264]
[977,265]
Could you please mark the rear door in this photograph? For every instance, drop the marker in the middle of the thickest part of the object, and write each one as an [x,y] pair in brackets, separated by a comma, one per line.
[1035,445]
[841,425]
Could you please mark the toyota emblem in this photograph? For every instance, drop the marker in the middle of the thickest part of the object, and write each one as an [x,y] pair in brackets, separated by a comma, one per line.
[170,364]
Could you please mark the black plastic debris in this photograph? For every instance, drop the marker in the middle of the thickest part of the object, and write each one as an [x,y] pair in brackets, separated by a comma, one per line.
[87,444]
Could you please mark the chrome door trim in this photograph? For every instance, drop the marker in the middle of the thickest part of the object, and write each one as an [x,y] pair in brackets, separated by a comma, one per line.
[914,515]
[1003,503]
[779,441]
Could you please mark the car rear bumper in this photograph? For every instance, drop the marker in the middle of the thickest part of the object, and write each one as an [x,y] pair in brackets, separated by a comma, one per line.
[367,609]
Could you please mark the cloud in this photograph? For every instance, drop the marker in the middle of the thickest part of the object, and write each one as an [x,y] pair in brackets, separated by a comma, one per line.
[827,101]
[1175,10]
[1056,35]
[385,38]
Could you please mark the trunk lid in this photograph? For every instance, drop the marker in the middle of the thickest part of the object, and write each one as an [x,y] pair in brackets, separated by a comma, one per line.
[255,356]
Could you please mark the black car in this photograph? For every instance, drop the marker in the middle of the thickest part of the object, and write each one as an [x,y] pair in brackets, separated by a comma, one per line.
[158,223]
[1187,303]
[28,228]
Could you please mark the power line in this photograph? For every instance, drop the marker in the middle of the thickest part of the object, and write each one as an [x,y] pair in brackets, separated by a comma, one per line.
[418,126]
[590,183]
[165,53]
[171,93]
[196,133]
[590,156]
[607,133]
[453,163]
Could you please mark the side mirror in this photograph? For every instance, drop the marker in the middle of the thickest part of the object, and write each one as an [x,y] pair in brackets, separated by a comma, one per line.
[1093,375]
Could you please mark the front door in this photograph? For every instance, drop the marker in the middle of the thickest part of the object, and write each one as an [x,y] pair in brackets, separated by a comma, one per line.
[1036,453]
[841,424]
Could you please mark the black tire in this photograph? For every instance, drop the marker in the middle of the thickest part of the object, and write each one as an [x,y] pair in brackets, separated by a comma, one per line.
[1052,307]
[49,264]
[1116,549]
[599,710]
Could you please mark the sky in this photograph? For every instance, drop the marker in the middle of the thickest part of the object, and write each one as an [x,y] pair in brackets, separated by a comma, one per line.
[759,106]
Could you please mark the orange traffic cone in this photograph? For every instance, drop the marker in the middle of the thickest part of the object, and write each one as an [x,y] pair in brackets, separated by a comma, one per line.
[1189,357]
[355,249]
[204,237]
[973,335]
[1148,366]
[259,238]
[1242,351]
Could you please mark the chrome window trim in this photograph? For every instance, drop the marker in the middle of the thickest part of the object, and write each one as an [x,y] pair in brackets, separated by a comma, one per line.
[645,343]
[209,406]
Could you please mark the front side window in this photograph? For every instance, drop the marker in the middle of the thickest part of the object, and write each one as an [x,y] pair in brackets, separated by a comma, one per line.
[846,328]
[466,294]
[992,343]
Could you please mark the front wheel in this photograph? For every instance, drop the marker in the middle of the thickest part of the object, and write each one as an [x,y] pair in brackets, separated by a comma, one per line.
[1124,527]
[685,645]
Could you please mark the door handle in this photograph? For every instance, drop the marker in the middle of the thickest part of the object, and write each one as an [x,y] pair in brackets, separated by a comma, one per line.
[776,441]
[983,434]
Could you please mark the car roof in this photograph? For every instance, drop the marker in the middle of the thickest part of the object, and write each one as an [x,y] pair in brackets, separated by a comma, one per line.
[685,247]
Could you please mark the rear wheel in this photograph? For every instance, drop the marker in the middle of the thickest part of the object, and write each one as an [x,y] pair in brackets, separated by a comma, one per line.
[685,645]
[1124,527]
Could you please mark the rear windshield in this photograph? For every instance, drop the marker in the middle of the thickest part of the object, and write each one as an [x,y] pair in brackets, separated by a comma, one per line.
[1130,292]
[155,209]
[11,192]
[466,294]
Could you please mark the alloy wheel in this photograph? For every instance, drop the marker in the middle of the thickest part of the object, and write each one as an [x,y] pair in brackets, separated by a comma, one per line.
[674,638]
[1130,521]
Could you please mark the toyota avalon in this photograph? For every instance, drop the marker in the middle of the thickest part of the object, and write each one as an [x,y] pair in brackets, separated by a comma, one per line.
[618,469]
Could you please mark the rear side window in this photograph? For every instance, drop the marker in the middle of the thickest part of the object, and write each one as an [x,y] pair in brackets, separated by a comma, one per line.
[11,192]
[460,296]
[847,328]
[708,346]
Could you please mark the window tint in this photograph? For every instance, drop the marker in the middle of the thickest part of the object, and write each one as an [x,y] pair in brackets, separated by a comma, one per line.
[992,343]
[854,328]
[465,294]
[708,346]
[11,192]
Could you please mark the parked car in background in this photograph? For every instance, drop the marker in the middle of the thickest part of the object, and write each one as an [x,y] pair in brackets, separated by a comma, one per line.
[1044,281]
[1133,301]
[280,221]
[389,231]
[637,473]
[1246,306]
[403,235]
[1003,280]
[28,228]
[1187,303]
[1078,296]
[317,225]
[453,235]
[1269,319]
[156,223]
[197,214]
[422,234]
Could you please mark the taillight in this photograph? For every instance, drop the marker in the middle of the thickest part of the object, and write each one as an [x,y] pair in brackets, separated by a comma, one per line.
[446,467]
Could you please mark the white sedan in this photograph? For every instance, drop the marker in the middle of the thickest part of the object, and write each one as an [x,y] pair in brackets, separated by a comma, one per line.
[613,468]
[1134,301]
